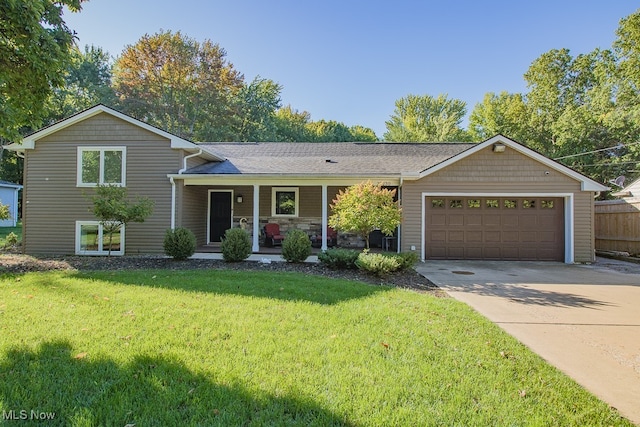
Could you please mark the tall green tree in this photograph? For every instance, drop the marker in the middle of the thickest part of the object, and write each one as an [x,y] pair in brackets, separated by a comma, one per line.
[256,106]
[291,124]
[35,48]
[174,82]
[423,118]
[87,83]
[504,113]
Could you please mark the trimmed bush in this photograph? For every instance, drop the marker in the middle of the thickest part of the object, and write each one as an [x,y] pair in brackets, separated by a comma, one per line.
[407,260]
[296,247]
[179,244]
[236,245]
[377,264]
[339,259]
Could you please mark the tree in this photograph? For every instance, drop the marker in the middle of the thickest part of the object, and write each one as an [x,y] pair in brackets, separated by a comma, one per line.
[256,105]
[505,114]
[426,119]
[113,209]
[363,134]
[87,82]
[35,48]
[363,208]
[291,125]
[176,83]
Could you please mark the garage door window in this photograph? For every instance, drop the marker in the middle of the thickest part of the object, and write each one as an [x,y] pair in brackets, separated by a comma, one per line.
[547,204]
[473,203]
[437,203]
[492,203]
[455,204]
[528,204]
[510,204]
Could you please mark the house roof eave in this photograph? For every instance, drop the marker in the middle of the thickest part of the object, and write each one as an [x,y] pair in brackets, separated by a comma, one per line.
[586,183]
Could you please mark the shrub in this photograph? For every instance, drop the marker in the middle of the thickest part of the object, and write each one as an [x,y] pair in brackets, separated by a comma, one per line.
[377,264]
[296,247]
[339,259]
[407,260]
[11,240]
[179,243]
[236,245]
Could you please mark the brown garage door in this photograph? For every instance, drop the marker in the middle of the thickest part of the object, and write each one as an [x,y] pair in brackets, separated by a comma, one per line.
[495,228]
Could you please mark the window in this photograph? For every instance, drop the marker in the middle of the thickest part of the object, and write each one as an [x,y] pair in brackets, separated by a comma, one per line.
[284,201]
[455,204]
[473,203]
[492,203]
[101,165]
[547,204]
[529,204]
[437,203]
[92,240]
[510,204]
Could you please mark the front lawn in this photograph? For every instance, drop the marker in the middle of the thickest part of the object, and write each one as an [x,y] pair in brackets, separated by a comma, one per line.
[210,347]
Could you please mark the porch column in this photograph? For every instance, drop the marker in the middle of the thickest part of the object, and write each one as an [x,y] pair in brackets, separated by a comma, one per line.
[256,218]
[325,219]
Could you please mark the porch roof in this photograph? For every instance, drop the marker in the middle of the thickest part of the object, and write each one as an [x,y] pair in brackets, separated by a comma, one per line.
[326,158]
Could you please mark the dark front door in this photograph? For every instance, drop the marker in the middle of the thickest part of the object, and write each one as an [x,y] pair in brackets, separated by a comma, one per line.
[219,214]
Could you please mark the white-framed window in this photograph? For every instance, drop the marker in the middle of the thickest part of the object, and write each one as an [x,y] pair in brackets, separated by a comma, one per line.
[91,239]
[285,201]
[101,165]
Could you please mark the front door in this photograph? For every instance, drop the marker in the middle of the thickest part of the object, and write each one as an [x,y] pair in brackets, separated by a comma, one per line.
[219,214]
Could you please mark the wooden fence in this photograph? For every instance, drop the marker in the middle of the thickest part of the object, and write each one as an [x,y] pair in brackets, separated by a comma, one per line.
[617,225]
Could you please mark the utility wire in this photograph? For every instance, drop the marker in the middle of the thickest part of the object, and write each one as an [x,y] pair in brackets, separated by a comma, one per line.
[597,151]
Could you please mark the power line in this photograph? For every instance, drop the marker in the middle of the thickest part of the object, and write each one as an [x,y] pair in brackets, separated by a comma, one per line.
[597,151]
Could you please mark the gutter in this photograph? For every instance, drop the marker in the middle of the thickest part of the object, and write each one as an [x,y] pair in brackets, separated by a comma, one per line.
[173,186]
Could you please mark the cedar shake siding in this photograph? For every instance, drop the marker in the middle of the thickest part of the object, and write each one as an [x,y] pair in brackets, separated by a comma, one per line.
[53,203]
[488,172]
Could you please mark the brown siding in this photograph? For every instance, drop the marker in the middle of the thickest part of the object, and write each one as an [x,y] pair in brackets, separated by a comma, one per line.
[489,172]
[53,202]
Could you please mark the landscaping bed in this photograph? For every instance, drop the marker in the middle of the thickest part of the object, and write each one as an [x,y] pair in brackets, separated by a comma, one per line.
[19,263]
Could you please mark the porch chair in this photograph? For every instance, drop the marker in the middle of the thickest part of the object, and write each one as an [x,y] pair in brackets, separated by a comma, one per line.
[332,238]
[272,236]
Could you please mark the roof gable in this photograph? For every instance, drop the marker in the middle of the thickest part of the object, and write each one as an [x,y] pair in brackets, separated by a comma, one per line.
[29,141]
[586,184]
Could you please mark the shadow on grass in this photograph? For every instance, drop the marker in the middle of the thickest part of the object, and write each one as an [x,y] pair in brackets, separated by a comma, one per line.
[273,285]
[54,386]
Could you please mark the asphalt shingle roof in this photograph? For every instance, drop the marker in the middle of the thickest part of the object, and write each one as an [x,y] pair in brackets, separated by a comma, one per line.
[339,158]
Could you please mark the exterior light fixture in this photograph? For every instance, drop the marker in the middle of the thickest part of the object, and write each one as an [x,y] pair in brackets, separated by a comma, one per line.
[239,198]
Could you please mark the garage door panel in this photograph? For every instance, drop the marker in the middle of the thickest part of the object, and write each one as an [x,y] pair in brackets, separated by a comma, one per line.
[495,228]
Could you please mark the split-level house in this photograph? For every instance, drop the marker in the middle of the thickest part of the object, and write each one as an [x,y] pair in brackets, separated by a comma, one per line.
[494,200]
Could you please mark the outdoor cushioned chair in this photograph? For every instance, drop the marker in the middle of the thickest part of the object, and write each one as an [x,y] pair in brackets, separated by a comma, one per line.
[272,236]
[332,238]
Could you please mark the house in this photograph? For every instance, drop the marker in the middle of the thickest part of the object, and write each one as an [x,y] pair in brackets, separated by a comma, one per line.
[617,222]
[492,200]
[9,197]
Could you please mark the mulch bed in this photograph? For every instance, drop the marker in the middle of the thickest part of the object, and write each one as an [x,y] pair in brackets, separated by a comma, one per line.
[19,263]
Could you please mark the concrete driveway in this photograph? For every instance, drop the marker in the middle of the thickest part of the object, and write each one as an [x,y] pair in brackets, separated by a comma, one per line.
[583,319]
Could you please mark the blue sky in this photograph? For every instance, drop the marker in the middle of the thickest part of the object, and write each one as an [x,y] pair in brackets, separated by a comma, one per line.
[349,60]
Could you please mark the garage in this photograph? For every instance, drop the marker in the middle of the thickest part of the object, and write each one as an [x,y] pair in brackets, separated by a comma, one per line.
[495,228]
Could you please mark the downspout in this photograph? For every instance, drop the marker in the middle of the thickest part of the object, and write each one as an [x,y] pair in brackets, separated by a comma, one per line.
[173,187]
[400,200]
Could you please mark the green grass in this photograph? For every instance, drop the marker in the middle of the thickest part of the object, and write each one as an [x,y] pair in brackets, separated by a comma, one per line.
[164,348]
[4,232]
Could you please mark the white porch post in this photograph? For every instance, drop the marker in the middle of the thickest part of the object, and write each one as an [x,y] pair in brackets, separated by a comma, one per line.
[256,218]
[325,219]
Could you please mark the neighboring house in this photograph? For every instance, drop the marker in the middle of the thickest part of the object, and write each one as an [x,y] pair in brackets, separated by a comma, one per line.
[9,197]
[492,200]
[617,223]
